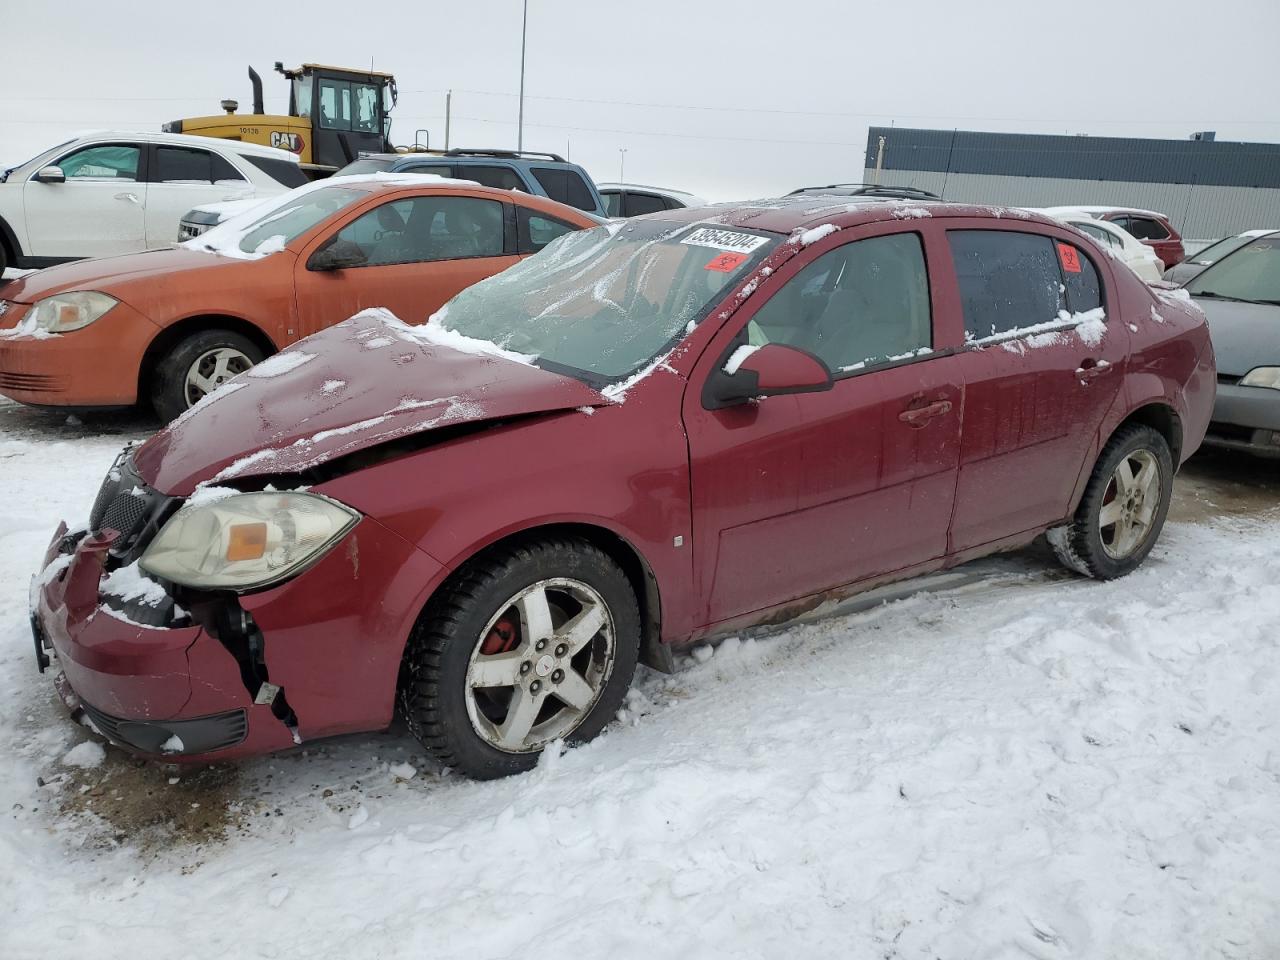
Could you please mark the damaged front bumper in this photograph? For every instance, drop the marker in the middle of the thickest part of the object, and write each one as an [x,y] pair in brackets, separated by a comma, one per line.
[242,675]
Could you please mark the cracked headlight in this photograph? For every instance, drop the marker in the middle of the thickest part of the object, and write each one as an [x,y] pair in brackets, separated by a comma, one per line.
[64,312]
[1262,377]
[247,540]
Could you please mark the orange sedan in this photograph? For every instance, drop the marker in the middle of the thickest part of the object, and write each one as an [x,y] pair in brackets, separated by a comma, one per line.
[167,326]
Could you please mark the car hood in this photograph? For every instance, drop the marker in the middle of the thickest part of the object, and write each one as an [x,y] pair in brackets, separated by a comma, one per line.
[1245,335]
[364,382]
[1184,271]
[109,273]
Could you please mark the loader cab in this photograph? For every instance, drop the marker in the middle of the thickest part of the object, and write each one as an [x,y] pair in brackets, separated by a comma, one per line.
[349,110]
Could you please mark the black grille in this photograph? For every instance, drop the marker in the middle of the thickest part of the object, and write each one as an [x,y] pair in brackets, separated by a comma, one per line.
[1227,379]
[125,504]
[198,735]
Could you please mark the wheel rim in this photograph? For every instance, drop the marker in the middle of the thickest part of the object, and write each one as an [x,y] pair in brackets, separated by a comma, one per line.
[540,665]
[1129,504]
[211,370]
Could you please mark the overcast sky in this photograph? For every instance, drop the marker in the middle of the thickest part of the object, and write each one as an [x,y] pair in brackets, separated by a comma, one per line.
[727,99]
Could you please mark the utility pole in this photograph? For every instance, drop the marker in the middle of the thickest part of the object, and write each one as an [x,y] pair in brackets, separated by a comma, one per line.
[448,112]
[622,164]
[524,32]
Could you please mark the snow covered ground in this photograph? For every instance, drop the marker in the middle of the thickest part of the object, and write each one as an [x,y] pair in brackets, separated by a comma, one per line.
[1034,767]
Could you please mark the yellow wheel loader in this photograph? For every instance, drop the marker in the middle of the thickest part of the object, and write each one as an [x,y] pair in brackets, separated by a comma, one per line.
[334,114]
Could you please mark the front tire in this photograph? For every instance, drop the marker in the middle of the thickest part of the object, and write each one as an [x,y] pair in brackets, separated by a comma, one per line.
[196,367]
[524,646]
[1123,508]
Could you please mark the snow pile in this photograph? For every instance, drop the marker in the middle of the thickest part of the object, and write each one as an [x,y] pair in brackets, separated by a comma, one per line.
[27,328]
[804,238]
[86,755]
[910,213]
[433,334]
[130,584]
[1089,325]
[738,358]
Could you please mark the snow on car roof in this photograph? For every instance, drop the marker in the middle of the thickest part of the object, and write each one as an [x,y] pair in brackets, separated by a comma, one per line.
[1094,209]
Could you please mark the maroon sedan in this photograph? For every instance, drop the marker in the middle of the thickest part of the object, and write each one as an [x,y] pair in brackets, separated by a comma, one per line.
[647,435]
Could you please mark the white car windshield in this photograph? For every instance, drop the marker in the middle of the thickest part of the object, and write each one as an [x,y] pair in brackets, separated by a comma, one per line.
[600,304]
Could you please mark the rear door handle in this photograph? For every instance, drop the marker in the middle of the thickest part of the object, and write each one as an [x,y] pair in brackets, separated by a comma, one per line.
[918,415]
[1089,369]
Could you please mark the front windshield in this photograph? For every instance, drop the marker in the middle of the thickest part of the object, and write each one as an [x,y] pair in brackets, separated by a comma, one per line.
[1216,251]
[291,220]
[1252,274]
[600,304]
[4,175]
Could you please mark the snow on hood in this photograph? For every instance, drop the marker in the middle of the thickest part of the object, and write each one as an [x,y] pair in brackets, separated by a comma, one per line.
[363,382]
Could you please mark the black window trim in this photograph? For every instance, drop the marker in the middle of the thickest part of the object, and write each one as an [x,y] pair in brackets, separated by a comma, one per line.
[144,152]
[1019,333]
[153,163]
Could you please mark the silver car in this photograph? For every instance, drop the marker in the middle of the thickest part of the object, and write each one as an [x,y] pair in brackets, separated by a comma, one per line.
[1240,295]
[1196,263]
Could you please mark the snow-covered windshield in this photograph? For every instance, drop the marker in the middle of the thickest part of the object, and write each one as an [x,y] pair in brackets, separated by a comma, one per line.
[602,303]
[294,219]
[1251,274]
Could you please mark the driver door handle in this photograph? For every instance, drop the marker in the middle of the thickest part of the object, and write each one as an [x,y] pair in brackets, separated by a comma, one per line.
[918,415]
[1090,368]
[131,197]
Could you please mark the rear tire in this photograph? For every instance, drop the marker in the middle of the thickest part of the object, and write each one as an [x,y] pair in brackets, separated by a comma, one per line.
[524,646]
[196,367]
[1123,508]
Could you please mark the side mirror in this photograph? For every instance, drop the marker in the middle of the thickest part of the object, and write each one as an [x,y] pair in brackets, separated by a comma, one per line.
[766,371]
[337,255]
[51,175]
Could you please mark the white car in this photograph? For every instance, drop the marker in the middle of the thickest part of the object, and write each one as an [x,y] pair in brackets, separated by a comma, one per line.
[110,193]
[1125,246]
[636,199]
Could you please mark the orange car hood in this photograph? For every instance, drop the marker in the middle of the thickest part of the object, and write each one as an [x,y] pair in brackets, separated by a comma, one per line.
[367,381]
[113,275]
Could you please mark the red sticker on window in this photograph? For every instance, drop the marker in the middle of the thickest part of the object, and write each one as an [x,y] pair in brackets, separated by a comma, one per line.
[725,262]
[1069,257]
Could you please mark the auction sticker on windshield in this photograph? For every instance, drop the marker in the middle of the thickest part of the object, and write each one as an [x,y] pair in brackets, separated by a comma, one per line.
[724,239]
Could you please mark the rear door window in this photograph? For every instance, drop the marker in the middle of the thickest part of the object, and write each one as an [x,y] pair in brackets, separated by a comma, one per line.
[565,186]
[1008,281]
[504,178]
[186,165]
[1080,277]
[638,204]
[612,203]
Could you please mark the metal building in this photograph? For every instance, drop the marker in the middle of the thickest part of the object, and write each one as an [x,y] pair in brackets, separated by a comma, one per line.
[1208,188]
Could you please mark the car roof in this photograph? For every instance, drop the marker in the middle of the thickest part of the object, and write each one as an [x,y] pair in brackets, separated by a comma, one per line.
[184,140]
[406,182]
[665,191]
[479,156]
[1101,209]
[804,211]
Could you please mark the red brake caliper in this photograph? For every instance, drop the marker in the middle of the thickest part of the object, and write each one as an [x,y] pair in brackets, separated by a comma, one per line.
[502,638]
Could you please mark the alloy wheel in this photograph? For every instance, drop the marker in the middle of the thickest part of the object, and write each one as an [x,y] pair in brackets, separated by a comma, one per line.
[1129,504]
[211,370]
[540,665]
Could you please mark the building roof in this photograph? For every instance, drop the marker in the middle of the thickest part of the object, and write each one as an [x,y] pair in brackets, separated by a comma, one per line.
[1203,162]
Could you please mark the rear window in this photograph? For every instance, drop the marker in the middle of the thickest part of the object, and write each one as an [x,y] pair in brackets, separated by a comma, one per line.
[365,165]
[566,186]
[638,204]
[1144,228]
[284,172]
[504,178]
[1008,280]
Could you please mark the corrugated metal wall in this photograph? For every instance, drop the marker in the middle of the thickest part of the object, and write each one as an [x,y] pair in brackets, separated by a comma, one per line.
[1197,210]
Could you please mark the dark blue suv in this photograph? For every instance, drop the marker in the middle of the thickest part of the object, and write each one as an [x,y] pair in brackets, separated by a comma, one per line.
[543,174]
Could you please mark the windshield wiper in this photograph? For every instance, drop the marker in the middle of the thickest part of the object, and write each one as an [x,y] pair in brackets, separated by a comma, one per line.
[1222,296]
